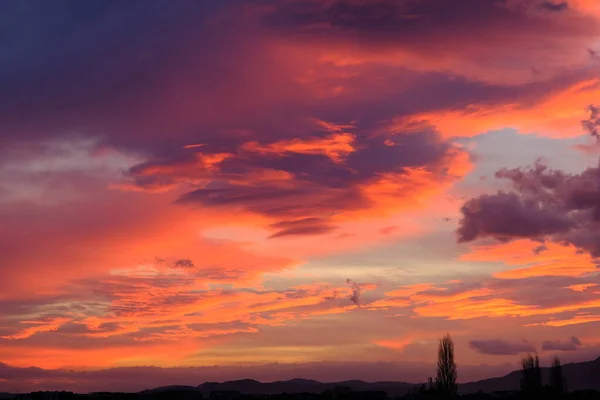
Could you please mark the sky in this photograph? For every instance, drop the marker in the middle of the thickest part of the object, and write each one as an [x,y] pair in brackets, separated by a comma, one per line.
[270,189]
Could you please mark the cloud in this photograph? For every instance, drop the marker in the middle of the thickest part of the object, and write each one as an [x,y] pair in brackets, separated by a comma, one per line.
[184,263]
[508,216]
[555,6]
[306,226]
[540,301]
[571,344]
[544,204]
[337,146]
[501,347]
[355,291]
[125,231]
[553,108]
[432,33]
[575,320]
[152,305]
[551,259]
[582,287]
[398,344]
[592,124]
[307,186]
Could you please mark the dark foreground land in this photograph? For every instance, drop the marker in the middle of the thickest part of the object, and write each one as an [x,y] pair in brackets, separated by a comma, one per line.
[339,393]
[582,380]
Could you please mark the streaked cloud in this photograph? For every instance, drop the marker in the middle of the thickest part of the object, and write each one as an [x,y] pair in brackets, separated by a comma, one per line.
[562,345]
[501,347]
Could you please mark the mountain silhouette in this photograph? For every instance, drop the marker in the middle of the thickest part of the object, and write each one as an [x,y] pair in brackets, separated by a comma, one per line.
[292,386]
[170,388]
[581,375]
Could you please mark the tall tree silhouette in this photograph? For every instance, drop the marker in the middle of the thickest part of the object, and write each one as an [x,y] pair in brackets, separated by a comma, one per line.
[557,380]
[531,380]
[446,368]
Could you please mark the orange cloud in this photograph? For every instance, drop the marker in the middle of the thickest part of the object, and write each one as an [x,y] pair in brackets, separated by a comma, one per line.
[548,260]
[455,302]
[582,287]
[474,307]
[487,303]
[411,189]
[550,43]
[154,313]
[591,7]
[37,326]
[558,114]
[163,306]
[177,333]
[166,353]
[578,319]
[395,344]
[336,146]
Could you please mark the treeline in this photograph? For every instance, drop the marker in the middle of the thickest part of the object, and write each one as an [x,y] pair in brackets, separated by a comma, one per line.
[531,385]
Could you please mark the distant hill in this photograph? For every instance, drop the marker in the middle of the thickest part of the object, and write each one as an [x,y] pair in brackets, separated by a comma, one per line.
[250,386]
[170,388]
[582,375]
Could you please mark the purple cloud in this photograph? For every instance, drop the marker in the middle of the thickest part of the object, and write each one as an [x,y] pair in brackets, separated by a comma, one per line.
[555,6]
[592,124]
[543,204]
[306,226]
[501,347]
[429,29]
[355,291]
[506,216]
[571,344]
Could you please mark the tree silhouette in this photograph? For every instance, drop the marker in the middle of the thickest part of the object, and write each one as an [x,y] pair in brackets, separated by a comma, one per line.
[557,380]
[531,380]
[446,368]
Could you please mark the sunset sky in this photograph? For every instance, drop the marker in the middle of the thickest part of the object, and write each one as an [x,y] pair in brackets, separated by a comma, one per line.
[272,189]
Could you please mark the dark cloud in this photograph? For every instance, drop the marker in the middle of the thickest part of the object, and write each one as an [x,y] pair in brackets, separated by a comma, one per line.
[555,6]
[571,344]
[501,347]
[592,124]
[306,226]
[133,75]
[145,88]
[543,204]
[321,186]
[355,291]
[507,216]
[431,29]
[400,21]
[280,202]
[175,263]
[129,73]
[184,263]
